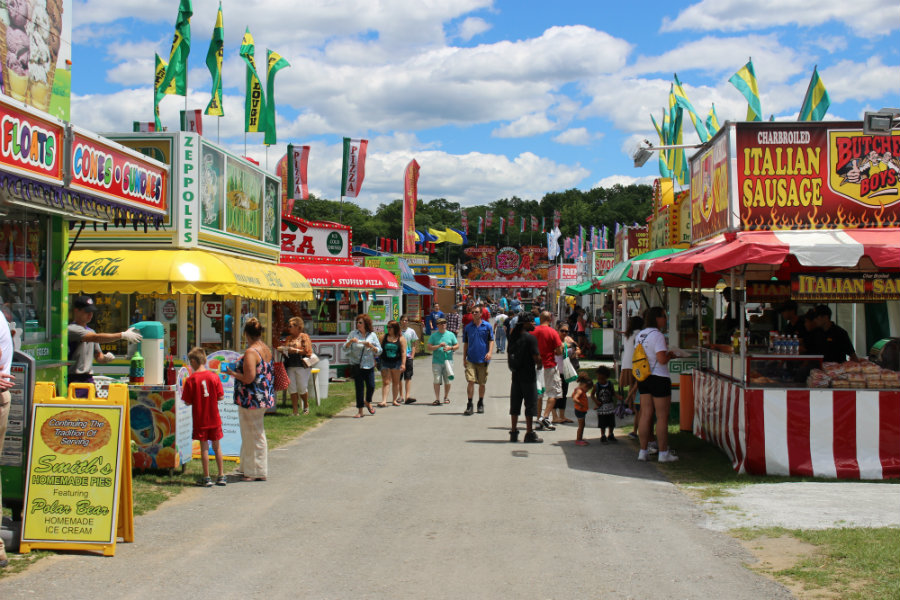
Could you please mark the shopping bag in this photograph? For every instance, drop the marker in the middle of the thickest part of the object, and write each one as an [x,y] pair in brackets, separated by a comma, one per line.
[569,373]
[448,369]
[282,382]
[539,374]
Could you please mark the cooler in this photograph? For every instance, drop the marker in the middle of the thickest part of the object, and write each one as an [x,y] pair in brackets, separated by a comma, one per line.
[153,351]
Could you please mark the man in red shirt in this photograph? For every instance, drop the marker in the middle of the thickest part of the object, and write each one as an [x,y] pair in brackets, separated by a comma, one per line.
[550,346]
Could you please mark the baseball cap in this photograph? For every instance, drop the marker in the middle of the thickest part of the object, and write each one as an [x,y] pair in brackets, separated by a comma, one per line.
[441,321]
[84,303]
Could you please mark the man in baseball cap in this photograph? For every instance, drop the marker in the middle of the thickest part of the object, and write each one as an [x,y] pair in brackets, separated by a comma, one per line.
[84,342]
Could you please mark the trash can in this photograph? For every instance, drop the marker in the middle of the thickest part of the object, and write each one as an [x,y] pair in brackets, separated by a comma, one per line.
[686,401]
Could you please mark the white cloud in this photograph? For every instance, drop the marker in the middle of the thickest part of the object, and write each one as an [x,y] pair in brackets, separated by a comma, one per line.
[577,136]
[471,27]
[863,17]
[525,126]
[624,180]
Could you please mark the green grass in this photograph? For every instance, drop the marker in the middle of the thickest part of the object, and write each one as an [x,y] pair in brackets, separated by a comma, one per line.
[850,563]
[152,488]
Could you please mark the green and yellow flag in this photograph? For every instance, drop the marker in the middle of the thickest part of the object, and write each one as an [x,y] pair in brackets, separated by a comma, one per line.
[745,81]
[275,63]
[255,101]
[159,74]
[214,64]
[816,103]
[176,71]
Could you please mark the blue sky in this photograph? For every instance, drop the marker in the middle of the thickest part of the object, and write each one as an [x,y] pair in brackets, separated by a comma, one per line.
[493,98]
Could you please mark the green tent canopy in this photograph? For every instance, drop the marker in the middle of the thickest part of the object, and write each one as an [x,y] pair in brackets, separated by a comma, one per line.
[580,289]
[618,275]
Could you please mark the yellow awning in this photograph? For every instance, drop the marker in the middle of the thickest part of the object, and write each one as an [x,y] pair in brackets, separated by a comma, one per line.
[182,272]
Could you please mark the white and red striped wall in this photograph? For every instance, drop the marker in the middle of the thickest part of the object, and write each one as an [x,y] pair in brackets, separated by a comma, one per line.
[844,434]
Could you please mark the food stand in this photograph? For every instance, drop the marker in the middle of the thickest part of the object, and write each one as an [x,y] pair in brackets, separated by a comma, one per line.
[811,206]
[320,251]
[211,267]
[506,268]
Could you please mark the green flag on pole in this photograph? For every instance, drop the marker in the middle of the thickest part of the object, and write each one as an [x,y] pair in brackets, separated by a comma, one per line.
[181,46]
[682,100]
[214,63]
[275,63]
[255,101]
[816,103]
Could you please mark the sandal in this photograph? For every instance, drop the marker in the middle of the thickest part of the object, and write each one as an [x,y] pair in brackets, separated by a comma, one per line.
[357,416]
[305,411]
[380,405]
[436,403]
[446,400]
[371,410]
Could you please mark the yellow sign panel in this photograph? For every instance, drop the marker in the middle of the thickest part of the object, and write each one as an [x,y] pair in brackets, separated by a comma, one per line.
[73,474]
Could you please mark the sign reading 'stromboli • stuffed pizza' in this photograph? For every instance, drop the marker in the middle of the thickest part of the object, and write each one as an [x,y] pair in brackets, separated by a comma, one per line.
[37,36]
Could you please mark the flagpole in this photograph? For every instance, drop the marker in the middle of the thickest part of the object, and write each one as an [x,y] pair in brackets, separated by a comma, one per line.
[341,214]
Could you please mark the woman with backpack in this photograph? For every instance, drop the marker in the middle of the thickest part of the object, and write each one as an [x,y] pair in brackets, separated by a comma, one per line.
[649,363]
[393,362]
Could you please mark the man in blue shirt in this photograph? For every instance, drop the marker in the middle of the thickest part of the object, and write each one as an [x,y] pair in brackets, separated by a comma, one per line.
[478,345]
[431,319]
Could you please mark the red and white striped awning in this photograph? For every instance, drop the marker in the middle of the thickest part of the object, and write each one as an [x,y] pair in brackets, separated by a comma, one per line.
[781,251]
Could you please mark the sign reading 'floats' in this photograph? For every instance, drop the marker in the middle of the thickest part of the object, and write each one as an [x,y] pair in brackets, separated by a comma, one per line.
[111,171]
[30,145]
[861,287]
[73,474]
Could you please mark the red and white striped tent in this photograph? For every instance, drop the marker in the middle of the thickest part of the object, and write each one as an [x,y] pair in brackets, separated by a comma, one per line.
[777,253]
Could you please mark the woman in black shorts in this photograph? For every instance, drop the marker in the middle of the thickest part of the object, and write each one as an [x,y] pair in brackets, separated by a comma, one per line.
[656,390]
[393,362]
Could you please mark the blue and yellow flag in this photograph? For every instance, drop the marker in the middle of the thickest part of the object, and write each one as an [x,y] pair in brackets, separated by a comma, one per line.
[663,167]
[712,121]
[816,103]
[439,236]
[682,100]
[255,101]
[745,81]
[214,64]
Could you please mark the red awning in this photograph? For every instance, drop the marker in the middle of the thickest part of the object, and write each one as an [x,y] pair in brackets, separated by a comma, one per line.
[503,283]
[345,277]
[784,252]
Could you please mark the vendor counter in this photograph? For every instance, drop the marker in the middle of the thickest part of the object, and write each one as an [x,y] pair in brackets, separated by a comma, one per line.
[798,431]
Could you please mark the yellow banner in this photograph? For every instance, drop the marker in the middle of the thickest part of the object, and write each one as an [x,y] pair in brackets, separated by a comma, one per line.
[73,474]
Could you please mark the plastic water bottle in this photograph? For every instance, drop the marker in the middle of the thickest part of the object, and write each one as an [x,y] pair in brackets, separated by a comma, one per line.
[795,345]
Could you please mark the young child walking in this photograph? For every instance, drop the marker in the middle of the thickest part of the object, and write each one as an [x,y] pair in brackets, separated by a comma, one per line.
[580,400]
[203,392]
[605,402]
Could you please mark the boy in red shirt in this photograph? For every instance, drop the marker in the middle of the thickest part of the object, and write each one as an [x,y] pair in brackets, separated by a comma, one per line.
[202,392]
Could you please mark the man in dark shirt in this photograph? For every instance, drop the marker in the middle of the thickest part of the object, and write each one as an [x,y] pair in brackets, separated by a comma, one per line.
[832,342]
[524,358]
[791,322]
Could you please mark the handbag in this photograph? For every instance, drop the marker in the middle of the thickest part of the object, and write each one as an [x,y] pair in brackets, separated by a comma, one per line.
[311,360]
[282,382]
[569,374]
[351,371]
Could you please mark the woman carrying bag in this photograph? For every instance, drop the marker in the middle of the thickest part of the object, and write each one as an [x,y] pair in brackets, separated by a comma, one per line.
[296,349]
[364,348]
[254,392]
[393,363]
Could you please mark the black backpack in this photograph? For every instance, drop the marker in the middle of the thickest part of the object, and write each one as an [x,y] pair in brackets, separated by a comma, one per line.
[519,356]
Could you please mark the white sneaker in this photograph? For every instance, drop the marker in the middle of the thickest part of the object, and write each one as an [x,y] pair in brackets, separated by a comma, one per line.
[667,457]
[652,445]
[651,450]
[642,455]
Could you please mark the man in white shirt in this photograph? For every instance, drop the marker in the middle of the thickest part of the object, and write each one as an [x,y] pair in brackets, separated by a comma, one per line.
[6,382]
[412,340]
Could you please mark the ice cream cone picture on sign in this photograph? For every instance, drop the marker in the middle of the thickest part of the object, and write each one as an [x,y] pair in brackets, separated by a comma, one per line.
[30,39]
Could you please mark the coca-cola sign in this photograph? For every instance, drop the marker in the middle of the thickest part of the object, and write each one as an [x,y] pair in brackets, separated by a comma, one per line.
[104,266]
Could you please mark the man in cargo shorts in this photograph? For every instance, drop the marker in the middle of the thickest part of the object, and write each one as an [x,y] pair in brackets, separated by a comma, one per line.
[441,343]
